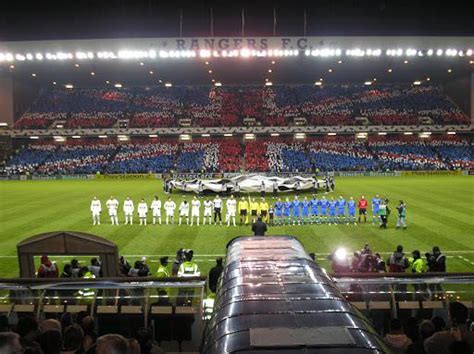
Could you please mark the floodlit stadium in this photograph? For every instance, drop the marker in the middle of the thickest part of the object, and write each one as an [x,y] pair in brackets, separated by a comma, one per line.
[146,149]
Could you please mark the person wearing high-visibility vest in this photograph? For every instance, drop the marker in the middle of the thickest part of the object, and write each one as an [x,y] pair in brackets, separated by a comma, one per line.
[188,268]
[162,271]
[417,266]
[86,293]
[243,210]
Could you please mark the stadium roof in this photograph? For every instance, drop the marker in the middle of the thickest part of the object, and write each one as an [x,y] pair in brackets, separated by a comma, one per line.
[54,19]
[239,60]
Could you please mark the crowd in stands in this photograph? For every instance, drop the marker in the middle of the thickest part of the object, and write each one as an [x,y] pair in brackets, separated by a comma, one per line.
[71,334]
[344,154]
[228,106]
[437,335]
[141,155]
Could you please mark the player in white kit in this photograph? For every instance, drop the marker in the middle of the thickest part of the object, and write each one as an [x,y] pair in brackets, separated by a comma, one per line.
[128,209]
[156,210]
[142,211]
[184,211]
[96,209]
[208,206]
[113,204]
[231,205]
[170,207]
[195,206]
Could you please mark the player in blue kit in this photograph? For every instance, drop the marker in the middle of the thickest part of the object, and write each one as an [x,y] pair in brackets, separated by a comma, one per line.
[341,210]
[351,211]
[324,204]
[332,211]
[376,209]
[305,205]
[296,211]
[278,212]
[287,211]
[314,209]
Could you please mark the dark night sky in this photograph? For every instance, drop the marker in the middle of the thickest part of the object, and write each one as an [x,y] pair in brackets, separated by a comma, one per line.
[79,19]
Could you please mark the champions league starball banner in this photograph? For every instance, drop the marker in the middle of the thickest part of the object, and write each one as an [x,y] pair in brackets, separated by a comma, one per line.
[249,184]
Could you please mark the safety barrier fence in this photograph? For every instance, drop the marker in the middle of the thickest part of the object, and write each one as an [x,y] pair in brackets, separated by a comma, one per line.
[406,291]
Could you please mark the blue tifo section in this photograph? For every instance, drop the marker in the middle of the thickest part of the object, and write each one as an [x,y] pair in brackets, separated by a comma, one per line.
[190,161]
[332,161]
[295,160]
[159,164]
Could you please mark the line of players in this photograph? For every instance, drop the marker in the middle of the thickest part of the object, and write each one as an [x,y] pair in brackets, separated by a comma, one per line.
[287,212]
[212,209]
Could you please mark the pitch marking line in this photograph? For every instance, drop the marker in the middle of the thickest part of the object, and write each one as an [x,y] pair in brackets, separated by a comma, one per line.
[466,260]
[450,253]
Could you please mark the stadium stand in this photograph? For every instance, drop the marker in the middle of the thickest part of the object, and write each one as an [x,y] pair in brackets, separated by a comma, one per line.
[143,155]
[210,107]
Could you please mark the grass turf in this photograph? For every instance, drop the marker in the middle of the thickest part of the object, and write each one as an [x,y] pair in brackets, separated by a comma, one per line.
[440,212]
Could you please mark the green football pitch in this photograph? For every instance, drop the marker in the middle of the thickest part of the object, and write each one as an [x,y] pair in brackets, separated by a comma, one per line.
[440,212]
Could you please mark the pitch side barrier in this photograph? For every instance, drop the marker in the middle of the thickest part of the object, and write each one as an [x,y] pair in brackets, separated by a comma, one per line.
[190,176]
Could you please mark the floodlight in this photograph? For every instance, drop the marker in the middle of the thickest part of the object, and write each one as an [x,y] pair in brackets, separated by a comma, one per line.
[249,136]
[340,254]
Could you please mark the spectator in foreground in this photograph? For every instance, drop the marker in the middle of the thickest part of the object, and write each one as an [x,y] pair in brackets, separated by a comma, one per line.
[214,274]
[133,346]
[50,325]
[50,342]
[426,330]
[396,339]
[27,328]
[440,342]
[439,323]
[90,335]
[259,227]
[112,343]
[73,338]
[10,343]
